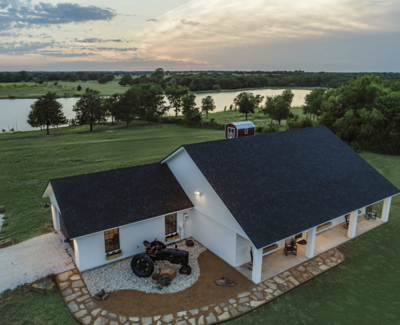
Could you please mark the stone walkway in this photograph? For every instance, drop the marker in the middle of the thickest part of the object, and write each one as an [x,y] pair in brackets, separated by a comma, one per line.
[86,311]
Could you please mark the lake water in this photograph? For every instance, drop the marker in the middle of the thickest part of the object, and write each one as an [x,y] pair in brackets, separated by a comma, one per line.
[14,112]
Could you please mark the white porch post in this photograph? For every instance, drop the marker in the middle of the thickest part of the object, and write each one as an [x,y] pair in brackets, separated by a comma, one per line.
[351,232]
[310,249]
[386,209]
[257,265]
[56,219]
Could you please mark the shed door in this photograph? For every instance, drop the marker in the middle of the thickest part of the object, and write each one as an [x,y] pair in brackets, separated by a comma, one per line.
[231,132]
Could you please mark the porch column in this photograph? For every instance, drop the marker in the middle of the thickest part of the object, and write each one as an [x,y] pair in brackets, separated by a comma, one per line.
[310,249]
[257,265]
[56,219]
[351,232]
[386,209]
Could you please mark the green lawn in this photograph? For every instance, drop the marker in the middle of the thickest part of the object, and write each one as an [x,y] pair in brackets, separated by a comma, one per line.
[63,89]
[22,306]
[362,290]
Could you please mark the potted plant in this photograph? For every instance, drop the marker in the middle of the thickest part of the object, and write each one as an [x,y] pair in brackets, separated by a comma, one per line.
[161,280]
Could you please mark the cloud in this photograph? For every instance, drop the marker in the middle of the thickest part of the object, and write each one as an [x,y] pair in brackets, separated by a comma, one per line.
[125,49]
[189,22]
[20,13]
[230,25]
[59,54]
[155,20]
[99,40]
[21,47]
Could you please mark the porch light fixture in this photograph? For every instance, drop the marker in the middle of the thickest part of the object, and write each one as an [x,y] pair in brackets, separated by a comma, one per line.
[197,192]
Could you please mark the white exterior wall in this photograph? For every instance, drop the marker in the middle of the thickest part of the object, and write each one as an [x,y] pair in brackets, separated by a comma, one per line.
[217,238]
[90,250]
[243,247]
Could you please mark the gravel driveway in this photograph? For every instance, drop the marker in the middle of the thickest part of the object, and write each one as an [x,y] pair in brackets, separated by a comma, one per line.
[33,259]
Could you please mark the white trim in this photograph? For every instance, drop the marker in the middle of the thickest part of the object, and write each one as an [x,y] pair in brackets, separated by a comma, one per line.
[172,155]
[129,224]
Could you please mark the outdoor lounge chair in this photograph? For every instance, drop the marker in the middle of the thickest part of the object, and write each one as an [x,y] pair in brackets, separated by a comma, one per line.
[346,221]
[290,246]
[370,214]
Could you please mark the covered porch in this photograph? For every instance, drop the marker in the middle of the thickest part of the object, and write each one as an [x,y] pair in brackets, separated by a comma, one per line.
[315,242]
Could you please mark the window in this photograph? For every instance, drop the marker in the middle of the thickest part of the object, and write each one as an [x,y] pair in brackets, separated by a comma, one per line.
[246,131]
[170,224]
[111,238]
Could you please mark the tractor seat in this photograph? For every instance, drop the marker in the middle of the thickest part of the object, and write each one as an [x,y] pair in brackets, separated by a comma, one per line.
[147,244]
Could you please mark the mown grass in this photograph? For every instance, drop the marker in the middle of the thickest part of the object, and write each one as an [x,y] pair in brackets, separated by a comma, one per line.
[30,159]
[22,307]
[62,89]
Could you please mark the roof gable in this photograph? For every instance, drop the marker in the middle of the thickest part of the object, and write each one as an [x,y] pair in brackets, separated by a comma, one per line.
[280,184]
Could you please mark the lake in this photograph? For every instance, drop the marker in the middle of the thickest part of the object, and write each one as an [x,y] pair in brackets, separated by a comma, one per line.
[14,112]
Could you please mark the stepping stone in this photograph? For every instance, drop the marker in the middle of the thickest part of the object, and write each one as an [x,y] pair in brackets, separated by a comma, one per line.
[84,290]
[183,322]
[224,316]
[113,322]
[324,267]
[77,284]
[64,276]
[201,320]
[277,293]
[211,318]
[259,295]
[92,305]
[96,311]
[75,277]
[278,280]
[134,319]
[243,300]
[122,319]
[243,308]
[147,320]
[269,290]
[104,312]
[181,313]
[233,311]
[86,320]
[243,294]
[272,286]
[332,264]
[112,316]
[204,308]
[82,298]
[293,280]
[67,292]
[192,321]
[282,288]
[100,321]
[81,313]
[72,297]
[168,318]
[156,318]
[63,285]
[232,301]
[73,307]
[194,311]
[218,310]
[256,303]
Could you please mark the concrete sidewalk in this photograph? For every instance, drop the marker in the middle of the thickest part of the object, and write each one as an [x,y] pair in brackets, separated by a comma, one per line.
[33,259]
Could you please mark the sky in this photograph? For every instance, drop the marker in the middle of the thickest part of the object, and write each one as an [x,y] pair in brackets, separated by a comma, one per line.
[310,35]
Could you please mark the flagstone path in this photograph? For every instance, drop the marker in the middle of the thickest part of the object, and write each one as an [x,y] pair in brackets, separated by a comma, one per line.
[86,310]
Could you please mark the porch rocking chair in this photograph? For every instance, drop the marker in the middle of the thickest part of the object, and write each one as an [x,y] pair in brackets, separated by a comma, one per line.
[290,246]
[346,221]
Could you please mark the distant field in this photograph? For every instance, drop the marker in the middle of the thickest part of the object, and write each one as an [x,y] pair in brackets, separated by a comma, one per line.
[63,89]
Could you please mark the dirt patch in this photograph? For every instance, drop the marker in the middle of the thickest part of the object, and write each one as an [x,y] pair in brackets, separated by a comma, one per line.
[203,293]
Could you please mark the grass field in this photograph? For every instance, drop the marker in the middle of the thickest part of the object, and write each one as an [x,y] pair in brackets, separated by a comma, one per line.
[363,290]
[63,89]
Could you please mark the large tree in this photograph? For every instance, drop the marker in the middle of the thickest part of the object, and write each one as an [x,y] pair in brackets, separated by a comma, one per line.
[207,105]
[278,107]
[189,110]
[152,104]
[247,103]
[175,96]
[89,109]
[313,102]
[46,111]
[126,107]
[126,79]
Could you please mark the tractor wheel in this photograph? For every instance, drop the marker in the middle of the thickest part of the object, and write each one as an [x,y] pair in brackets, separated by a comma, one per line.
[142,265]
[185,269]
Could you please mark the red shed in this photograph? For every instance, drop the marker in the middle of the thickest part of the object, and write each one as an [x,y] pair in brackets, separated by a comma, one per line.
[239,129]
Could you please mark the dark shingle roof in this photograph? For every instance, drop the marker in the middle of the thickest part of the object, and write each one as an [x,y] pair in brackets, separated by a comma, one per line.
[277,185]
[99,201]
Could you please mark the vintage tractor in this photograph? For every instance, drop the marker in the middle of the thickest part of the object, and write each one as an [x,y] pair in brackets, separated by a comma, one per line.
[143,264]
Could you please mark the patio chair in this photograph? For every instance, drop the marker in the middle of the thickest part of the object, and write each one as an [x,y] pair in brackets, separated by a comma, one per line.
[290,246]
[370,214]
[346,221]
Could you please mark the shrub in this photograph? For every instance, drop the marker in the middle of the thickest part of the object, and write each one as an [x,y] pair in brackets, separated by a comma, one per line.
[271,128]
[298,123]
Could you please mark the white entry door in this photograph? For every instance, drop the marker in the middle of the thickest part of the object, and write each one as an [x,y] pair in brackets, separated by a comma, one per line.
[231,132]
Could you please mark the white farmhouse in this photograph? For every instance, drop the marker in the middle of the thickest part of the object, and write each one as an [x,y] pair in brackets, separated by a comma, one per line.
[231,195]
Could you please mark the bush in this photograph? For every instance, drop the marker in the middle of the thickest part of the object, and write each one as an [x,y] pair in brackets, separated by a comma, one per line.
[259,129]
[298,123]
[216,88]
[273,127]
